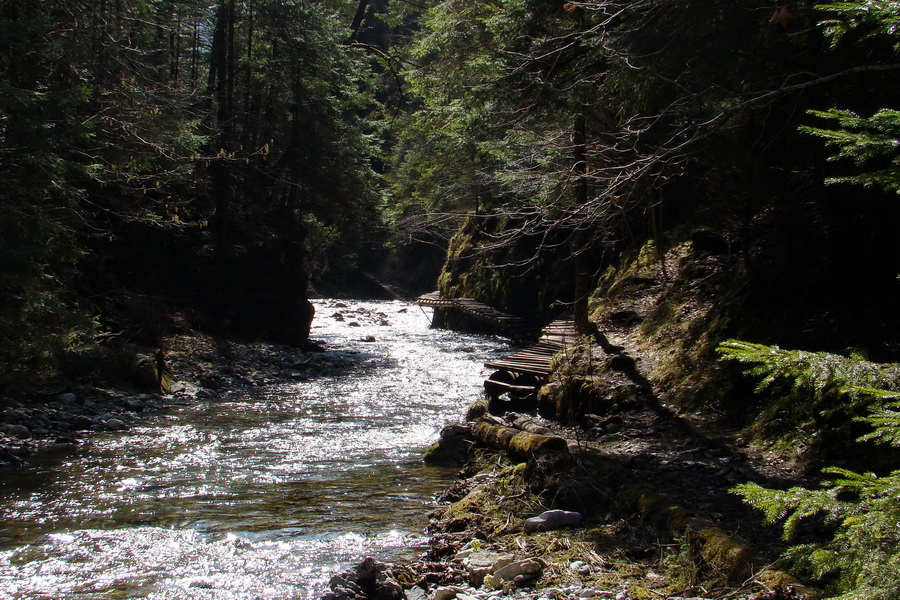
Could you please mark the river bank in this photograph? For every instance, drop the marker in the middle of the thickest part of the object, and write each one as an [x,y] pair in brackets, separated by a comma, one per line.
[197,366]
[653,518]
[651,485]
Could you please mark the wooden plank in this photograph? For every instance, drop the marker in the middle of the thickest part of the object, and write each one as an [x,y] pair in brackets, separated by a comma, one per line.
[516,368]
[511,386]
[538,359]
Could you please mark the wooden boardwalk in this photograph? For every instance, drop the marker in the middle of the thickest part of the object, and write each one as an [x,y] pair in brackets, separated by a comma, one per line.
[515,326]
[538,359]
[520,374]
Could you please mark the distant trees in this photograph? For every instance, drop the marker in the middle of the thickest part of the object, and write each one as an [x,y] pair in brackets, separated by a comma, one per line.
[176,149]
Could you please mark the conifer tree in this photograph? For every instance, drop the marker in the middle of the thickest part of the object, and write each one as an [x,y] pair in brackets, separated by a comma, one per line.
[861,555]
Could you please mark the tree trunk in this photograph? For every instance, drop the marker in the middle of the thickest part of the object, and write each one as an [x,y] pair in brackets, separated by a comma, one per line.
[581,246]
[518,443]
[358,19]
[581,239]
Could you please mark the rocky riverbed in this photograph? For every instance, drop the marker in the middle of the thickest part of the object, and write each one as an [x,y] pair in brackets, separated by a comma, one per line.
[196,367]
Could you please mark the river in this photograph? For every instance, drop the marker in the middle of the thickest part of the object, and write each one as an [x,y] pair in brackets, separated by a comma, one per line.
[259,494]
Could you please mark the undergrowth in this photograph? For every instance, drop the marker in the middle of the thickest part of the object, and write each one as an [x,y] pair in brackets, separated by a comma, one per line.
[860,558]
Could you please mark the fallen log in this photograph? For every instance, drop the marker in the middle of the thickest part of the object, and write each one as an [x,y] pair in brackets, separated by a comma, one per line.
[518,443]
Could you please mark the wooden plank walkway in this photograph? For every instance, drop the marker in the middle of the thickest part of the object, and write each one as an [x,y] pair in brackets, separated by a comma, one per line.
[479,310]
[520,374]
[538,359]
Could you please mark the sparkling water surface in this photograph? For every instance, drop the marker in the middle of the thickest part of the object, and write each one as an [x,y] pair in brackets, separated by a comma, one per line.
[261,494]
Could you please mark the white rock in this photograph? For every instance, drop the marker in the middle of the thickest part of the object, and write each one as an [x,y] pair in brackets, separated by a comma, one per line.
[580,567]
[416,593]
[529,566]
[446,593]
[552,519]
[479,564]
[466,550]
[462,554]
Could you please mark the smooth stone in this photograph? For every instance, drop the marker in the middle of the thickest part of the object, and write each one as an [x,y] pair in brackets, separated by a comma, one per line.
[83,422]
[529,566]
[580,567]
[526,579]
[17,431]
[116,425]
[446,593]
[552,519]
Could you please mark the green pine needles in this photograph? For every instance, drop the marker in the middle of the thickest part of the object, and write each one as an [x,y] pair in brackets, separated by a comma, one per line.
[813,374]
[871,143]
[866,142]
[862,557]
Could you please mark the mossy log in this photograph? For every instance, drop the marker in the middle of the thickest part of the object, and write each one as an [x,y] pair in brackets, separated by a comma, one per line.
[518,443]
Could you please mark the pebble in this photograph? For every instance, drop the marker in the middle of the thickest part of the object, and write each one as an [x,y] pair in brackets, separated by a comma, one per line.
[580,567]
[552,519]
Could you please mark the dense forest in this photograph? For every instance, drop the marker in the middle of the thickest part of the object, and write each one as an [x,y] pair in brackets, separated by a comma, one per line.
[175,166]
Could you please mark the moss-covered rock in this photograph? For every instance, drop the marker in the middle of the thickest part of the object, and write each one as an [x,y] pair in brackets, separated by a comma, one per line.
[451,449]
[524,277]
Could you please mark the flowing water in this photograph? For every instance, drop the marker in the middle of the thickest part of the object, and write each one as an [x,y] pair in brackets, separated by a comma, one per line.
[262,494]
